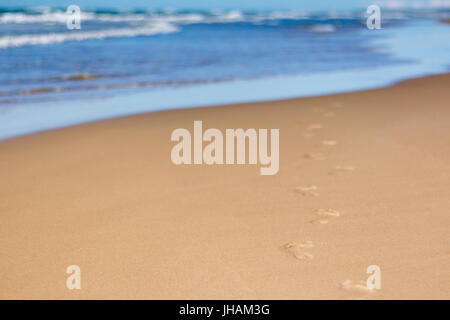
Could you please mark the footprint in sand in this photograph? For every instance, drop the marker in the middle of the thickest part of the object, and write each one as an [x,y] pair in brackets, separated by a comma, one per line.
[315,156]
[320,221]
[296,250]
[310,191]
[328,212]
[342,169]
[355,286]
[325,216]
[308,135]
[315,126]
[329,142]
[329,114]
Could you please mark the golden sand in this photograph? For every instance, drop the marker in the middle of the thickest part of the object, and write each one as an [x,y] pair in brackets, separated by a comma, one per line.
[106,197]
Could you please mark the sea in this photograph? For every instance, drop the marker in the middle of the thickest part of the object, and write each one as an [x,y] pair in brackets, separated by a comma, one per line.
[122,62]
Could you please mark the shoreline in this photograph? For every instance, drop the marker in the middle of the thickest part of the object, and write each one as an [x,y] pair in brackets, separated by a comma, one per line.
[20,119]
[83,113]
[105,196]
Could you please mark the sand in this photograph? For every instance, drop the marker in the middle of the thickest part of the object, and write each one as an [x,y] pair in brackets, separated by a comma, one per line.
[364,180]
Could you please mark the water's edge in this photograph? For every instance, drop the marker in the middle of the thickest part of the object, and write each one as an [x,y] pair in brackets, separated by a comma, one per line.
[421,43]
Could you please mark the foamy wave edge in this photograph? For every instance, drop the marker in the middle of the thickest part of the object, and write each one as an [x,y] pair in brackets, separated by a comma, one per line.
[51,38]
[182,18]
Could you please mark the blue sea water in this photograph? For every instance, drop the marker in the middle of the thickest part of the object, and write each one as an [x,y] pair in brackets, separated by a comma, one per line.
[122,63]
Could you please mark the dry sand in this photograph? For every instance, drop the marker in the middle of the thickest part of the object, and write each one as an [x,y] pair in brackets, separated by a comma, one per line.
[105,196]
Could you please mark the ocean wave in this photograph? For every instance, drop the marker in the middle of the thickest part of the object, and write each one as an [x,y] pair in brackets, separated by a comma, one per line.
[116,23]
[51,38]
[60,16]
[288,15]
[322,28]
[46,15]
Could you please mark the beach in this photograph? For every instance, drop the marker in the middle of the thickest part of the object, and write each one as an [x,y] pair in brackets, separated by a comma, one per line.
[363,180]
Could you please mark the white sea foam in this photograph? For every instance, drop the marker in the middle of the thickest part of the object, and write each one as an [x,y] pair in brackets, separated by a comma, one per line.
[192,18]
[289,15]
[52,17]
[188,18]
[49,38]
[61,17]
[231,16]
[46,17]
[140,24]
[118,18]
[322,28]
